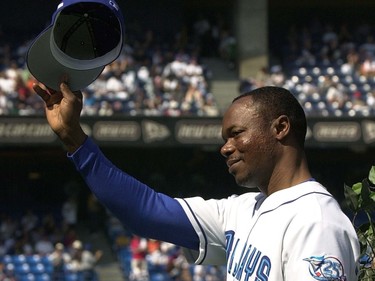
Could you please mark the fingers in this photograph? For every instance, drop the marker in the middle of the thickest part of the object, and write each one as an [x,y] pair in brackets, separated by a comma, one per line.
[41,92]
[49,96]
[67,93]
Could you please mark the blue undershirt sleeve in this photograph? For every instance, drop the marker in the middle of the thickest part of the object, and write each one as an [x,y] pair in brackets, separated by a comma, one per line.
[142,210]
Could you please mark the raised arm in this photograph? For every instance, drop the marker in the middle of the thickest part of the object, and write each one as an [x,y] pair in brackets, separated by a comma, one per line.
[141,209]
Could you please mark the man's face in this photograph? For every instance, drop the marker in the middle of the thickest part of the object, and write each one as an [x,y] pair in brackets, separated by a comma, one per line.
[249,144]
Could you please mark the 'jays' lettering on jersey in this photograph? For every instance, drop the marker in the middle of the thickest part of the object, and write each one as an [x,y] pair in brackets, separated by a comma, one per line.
[300,233]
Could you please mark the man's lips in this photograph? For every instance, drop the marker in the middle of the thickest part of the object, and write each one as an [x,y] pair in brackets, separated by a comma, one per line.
[231,162]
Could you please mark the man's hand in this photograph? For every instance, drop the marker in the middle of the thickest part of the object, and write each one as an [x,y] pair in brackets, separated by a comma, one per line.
[63,110]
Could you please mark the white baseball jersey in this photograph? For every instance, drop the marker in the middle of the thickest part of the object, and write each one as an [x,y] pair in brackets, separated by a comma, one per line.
[299,234]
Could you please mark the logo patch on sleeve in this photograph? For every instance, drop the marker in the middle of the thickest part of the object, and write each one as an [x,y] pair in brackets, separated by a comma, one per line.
[326,268]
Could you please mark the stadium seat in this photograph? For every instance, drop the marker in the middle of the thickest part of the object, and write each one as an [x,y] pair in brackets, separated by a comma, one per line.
[45,260]
[43,277]
[26,277]
[38,268]
[22,269]
[9,268]
[7,259]
[160,276]
[33,259]
[72,276]
[316,71]
[19,259]
[124,256]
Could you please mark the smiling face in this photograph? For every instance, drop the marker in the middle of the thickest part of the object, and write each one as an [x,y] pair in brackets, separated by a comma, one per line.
[250,146]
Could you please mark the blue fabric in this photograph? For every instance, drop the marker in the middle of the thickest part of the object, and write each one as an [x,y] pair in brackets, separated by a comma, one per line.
[142,210]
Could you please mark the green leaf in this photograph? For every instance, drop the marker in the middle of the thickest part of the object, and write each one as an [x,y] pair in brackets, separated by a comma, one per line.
[361,198]
[362,240]
[351,198]
[357,187]
[367,202]
[371,175]
[369,232]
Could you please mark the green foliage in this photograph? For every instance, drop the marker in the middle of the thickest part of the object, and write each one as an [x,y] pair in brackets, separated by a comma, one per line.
[360,200]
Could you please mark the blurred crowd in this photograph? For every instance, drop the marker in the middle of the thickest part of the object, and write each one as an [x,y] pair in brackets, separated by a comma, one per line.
[153,259]
[177,87]
[173,84]
[329,67]
[152,76]
[143,259]
[45,245]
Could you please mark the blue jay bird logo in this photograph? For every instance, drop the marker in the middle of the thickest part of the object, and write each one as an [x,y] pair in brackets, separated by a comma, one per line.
[326,268]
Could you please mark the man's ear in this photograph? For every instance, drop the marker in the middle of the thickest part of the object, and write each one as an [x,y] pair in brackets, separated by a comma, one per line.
[281,127]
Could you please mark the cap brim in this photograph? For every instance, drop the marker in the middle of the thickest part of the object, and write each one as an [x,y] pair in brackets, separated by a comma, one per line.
[47,70]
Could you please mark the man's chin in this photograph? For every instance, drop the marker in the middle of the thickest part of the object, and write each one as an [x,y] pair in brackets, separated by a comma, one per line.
[245,183]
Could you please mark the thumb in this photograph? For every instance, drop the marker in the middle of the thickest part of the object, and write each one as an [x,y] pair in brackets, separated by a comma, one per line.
[65,90]
[67,93]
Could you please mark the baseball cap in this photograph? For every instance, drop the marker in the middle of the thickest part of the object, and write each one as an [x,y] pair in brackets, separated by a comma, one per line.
[83,37]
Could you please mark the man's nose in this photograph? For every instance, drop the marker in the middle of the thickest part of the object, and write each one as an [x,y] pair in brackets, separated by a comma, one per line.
[227,149]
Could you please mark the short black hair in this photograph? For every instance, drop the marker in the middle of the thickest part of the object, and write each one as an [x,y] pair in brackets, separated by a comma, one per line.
[274,101]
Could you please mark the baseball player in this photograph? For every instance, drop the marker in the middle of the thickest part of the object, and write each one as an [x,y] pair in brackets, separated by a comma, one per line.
[292,229]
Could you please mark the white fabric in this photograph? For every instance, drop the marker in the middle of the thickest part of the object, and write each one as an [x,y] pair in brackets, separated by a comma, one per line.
[281,237]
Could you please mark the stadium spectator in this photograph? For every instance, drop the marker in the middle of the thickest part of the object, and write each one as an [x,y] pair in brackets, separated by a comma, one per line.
[157,259]
[152,245]
[59,259]
[3,249]
[227,48]
[5,105]
[139,268]
[90,103]
[49,223]
[210,108]
[367,48]
[69,212]
[83,261]
[23,244]
[95,214]
[367,67]
[351,63]
[306,55]
[29,221]
[69,236]
[199,273]
[44,246]
[179,268]
[370,99]
[6,274]
[202,34]
[335,96]
[105,108]
[8,226]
